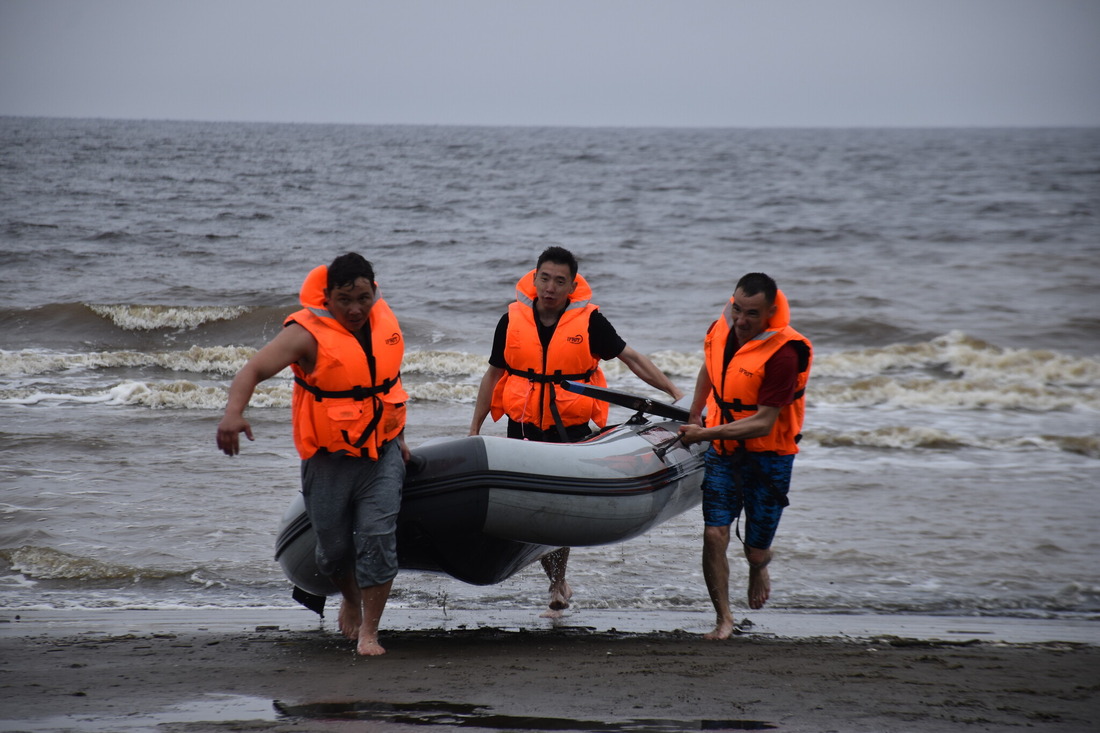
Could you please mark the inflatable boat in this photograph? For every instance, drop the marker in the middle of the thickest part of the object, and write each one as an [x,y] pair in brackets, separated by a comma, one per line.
[481,508]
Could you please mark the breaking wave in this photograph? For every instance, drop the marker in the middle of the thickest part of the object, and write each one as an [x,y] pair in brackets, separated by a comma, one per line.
[953,372]
[958,356]
[225,360]
[908,438]
[956,371]
[153,317]
[43,563]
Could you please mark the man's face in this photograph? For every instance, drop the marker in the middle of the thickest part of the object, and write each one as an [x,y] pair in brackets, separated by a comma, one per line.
[553,285]
[351,304]
[751,314]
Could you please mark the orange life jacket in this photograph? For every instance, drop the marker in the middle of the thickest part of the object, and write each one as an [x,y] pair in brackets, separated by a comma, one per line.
[736,385]
[527,392]
[348,403]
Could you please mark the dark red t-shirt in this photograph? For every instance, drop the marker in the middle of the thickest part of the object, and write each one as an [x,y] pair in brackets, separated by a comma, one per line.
[780,376]
[780,373]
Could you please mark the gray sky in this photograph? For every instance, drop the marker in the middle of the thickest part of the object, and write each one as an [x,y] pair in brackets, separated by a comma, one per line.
[558,62]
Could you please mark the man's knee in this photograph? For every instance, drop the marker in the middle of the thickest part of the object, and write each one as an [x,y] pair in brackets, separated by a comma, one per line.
[376,560]
[717,537]
[757,557]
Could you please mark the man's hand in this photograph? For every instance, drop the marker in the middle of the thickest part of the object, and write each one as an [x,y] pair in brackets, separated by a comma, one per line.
[229,430]
[693,434]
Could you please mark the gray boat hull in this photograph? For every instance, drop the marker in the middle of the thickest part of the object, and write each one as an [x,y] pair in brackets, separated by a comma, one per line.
[482,508]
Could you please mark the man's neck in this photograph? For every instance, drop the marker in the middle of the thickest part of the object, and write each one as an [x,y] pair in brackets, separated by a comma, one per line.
[546,317]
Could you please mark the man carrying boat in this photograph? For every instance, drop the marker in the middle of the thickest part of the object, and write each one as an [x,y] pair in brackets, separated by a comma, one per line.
[753,386]
[345,348]
[552,333]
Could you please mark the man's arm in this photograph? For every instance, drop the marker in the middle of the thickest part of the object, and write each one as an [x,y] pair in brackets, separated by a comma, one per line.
[648,372]
[406,454]
[485,397]
[492,375]
[294,344]
[780,377]
[699,400]
[756,425]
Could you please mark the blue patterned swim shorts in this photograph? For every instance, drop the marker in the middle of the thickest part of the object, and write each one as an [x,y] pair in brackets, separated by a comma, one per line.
[755,482]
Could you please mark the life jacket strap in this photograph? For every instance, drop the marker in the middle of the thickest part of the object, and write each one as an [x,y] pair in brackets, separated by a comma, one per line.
[556,414]
[738,406]
[551,380]
[743,459]
[358,392]
[556,377]
[379,406]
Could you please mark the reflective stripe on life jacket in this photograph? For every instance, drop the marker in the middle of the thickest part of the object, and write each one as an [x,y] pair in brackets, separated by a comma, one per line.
[352,401]
[736,385]
[527,392]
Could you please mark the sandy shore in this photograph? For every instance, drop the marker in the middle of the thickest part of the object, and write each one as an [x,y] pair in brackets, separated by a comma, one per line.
[234,672]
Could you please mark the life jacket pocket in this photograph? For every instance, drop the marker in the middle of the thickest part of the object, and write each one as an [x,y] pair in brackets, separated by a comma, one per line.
[345,412]
[350,422]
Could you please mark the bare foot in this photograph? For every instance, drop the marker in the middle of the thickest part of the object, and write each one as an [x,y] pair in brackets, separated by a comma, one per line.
[369,648]
[760,587]
[349,620]
[723,630]
[552,613]
[560,593]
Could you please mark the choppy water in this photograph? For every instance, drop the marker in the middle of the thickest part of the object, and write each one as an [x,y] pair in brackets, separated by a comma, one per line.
[948,278]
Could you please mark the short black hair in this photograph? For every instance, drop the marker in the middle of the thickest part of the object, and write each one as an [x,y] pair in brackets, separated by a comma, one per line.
[758,282]
[348,268]
[559,256]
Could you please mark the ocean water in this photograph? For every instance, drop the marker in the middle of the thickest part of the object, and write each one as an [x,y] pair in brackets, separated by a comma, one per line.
[948,278]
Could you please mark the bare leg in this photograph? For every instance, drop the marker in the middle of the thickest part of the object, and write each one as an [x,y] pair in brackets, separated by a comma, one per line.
[351,606]
[760,584]
[374,599]
[555,564]
[361,612]
[716,573]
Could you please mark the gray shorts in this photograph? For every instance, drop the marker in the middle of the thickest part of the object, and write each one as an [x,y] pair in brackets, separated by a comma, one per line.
[353,505]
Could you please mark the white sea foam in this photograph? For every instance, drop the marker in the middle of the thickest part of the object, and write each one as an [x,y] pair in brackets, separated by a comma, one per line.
[962,394]
[443,363]
[153,317]
[957,355]
[205,359]
[182,394]
[909,438]
[28,397]
[44,563]
[956,372]
[463,364]
[952,372]
[443,392]
[677,364]
[16,581]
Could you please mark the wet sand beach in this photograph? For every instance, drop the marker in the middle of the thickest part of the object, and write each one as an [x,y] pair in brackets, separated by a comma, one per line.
[238,673]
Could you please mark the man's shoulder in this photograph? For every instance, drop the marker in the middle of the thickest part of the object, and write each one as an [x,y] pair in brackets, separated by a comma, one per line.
[788,349]
[598,317]
[298,333]
[796,351]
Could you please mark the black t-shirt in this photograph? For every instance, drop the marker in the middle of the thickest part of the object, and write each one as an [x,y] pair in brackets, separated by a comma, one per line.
[604,341]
